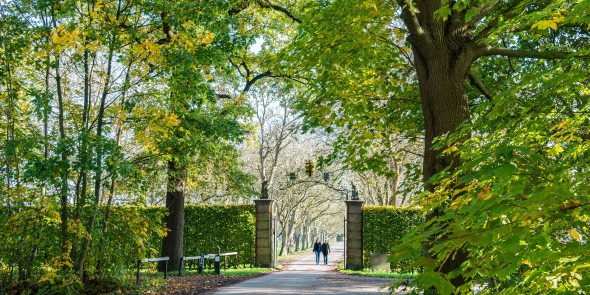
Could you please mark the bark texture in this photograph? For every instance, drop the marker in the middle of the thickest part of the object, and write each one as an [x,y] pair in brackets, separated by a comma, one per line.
[172,244]
[443,55]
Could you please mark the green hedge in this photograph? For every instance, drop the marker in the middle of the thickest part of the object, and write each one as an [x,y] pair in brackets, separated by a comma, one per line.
[134,232]
[230,227]
[385,226]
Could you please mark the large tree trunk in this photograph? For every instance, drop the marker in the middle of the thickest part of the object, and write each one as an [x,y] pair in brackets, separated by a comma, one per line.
[442,57]
[172,244]
[442,69]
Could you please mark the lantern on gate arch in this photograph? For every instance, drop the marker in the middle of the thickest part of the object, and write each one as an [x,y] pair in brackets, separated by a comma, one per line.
[309,168]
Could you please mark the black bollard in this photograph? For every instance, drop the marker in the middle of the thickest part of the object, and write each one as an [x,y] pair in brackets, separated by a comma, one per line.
[217,262]
[201,262]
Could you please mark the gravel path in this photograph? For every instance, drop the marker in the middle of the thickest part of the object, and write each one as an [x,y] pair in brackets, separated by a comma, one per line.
[303,276]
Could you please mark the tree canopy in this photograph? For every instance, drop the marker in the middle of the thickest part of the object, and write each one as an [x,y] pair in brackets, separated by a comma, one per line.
[480,108]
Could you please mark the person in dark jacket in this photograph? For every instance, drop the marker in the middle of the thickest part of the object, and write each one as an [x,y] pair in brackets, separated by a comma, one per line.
[325,251]
[317,248]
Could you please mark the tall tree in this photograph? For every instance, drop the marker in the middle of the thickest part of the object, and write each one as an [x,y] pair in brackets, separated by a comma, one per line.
[192,121]
[423,53]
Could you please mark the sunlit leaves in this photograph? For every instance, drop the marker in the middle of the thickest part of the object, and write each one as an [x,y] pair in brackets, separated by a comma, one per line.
[517,202]
[363,88]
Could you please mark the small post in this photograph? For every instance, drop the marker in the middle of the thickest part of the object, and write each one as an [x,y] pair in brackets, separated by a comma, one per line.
[180,266]
[201,262]
[217,262]
[217,270]
[138,267]
[166,269]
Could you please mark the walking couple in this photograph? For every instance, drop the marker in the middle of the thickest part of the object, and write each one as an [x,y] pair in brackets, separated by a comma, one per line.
[319,247]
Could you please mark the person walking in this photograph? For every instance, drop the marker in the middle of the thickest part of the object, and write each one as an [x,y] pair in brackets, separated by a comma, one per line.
[325,251]
[317,248]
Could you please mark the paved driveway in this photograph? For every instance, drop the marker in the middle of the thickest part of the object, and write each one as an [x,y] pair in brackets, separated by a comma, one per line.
[303,276]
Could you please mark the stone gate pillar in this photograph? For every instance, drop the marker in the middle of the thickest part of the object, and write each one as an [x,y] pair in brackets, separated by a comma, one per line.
[354,235]
[264,237]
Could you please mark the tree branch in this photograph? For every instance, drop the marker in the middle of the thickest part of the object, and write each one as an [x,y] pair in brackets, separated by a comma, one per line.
[268,4]
[509,12]
[482,88]
[412,23]
[484,10]
[223,95]
[488,51]
[256,78]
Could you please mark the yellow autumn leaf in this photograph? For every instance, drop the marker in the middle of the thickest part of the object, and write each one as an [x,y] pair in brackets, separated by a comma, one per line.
[527,262]
[555,150]
[399,34]
[459,202]
[575,235]
[485,193]
[450,149]
[563,125]
[558,18]
[544,24]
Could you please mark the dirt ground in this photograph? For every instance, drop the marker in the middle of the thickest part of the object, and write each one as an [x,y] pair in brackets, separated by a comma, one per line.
[196,284]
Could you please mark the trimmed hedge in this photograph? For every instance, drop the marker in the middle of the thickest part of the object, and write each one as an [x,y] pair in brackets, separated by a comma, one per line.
[134,232]
[385,226]
[231,227]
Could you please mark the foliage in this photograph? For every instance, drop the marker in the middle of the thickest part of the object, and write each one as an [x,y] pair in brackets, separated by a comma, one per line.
[231,227]
[519,206]
[512,183]
[32,234]
[385,226]
[135,233]
[363,89]
[96,96]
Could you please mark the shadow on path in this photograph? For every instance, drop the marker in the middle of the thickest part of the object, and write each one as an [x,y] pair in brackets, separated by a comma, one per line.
[303,276]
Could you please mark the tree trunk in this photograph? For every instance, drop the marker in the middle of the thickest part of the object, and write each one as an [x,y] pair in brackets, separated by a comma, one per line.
[304,237]
[172,244]
[283,241]
[62,149]
[442,69]
[107,214]
[99,158]
[296,238]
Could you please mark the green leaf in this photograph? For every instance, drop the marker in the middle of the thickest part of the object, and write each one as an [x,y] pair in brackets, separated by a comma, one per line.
[471,12]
